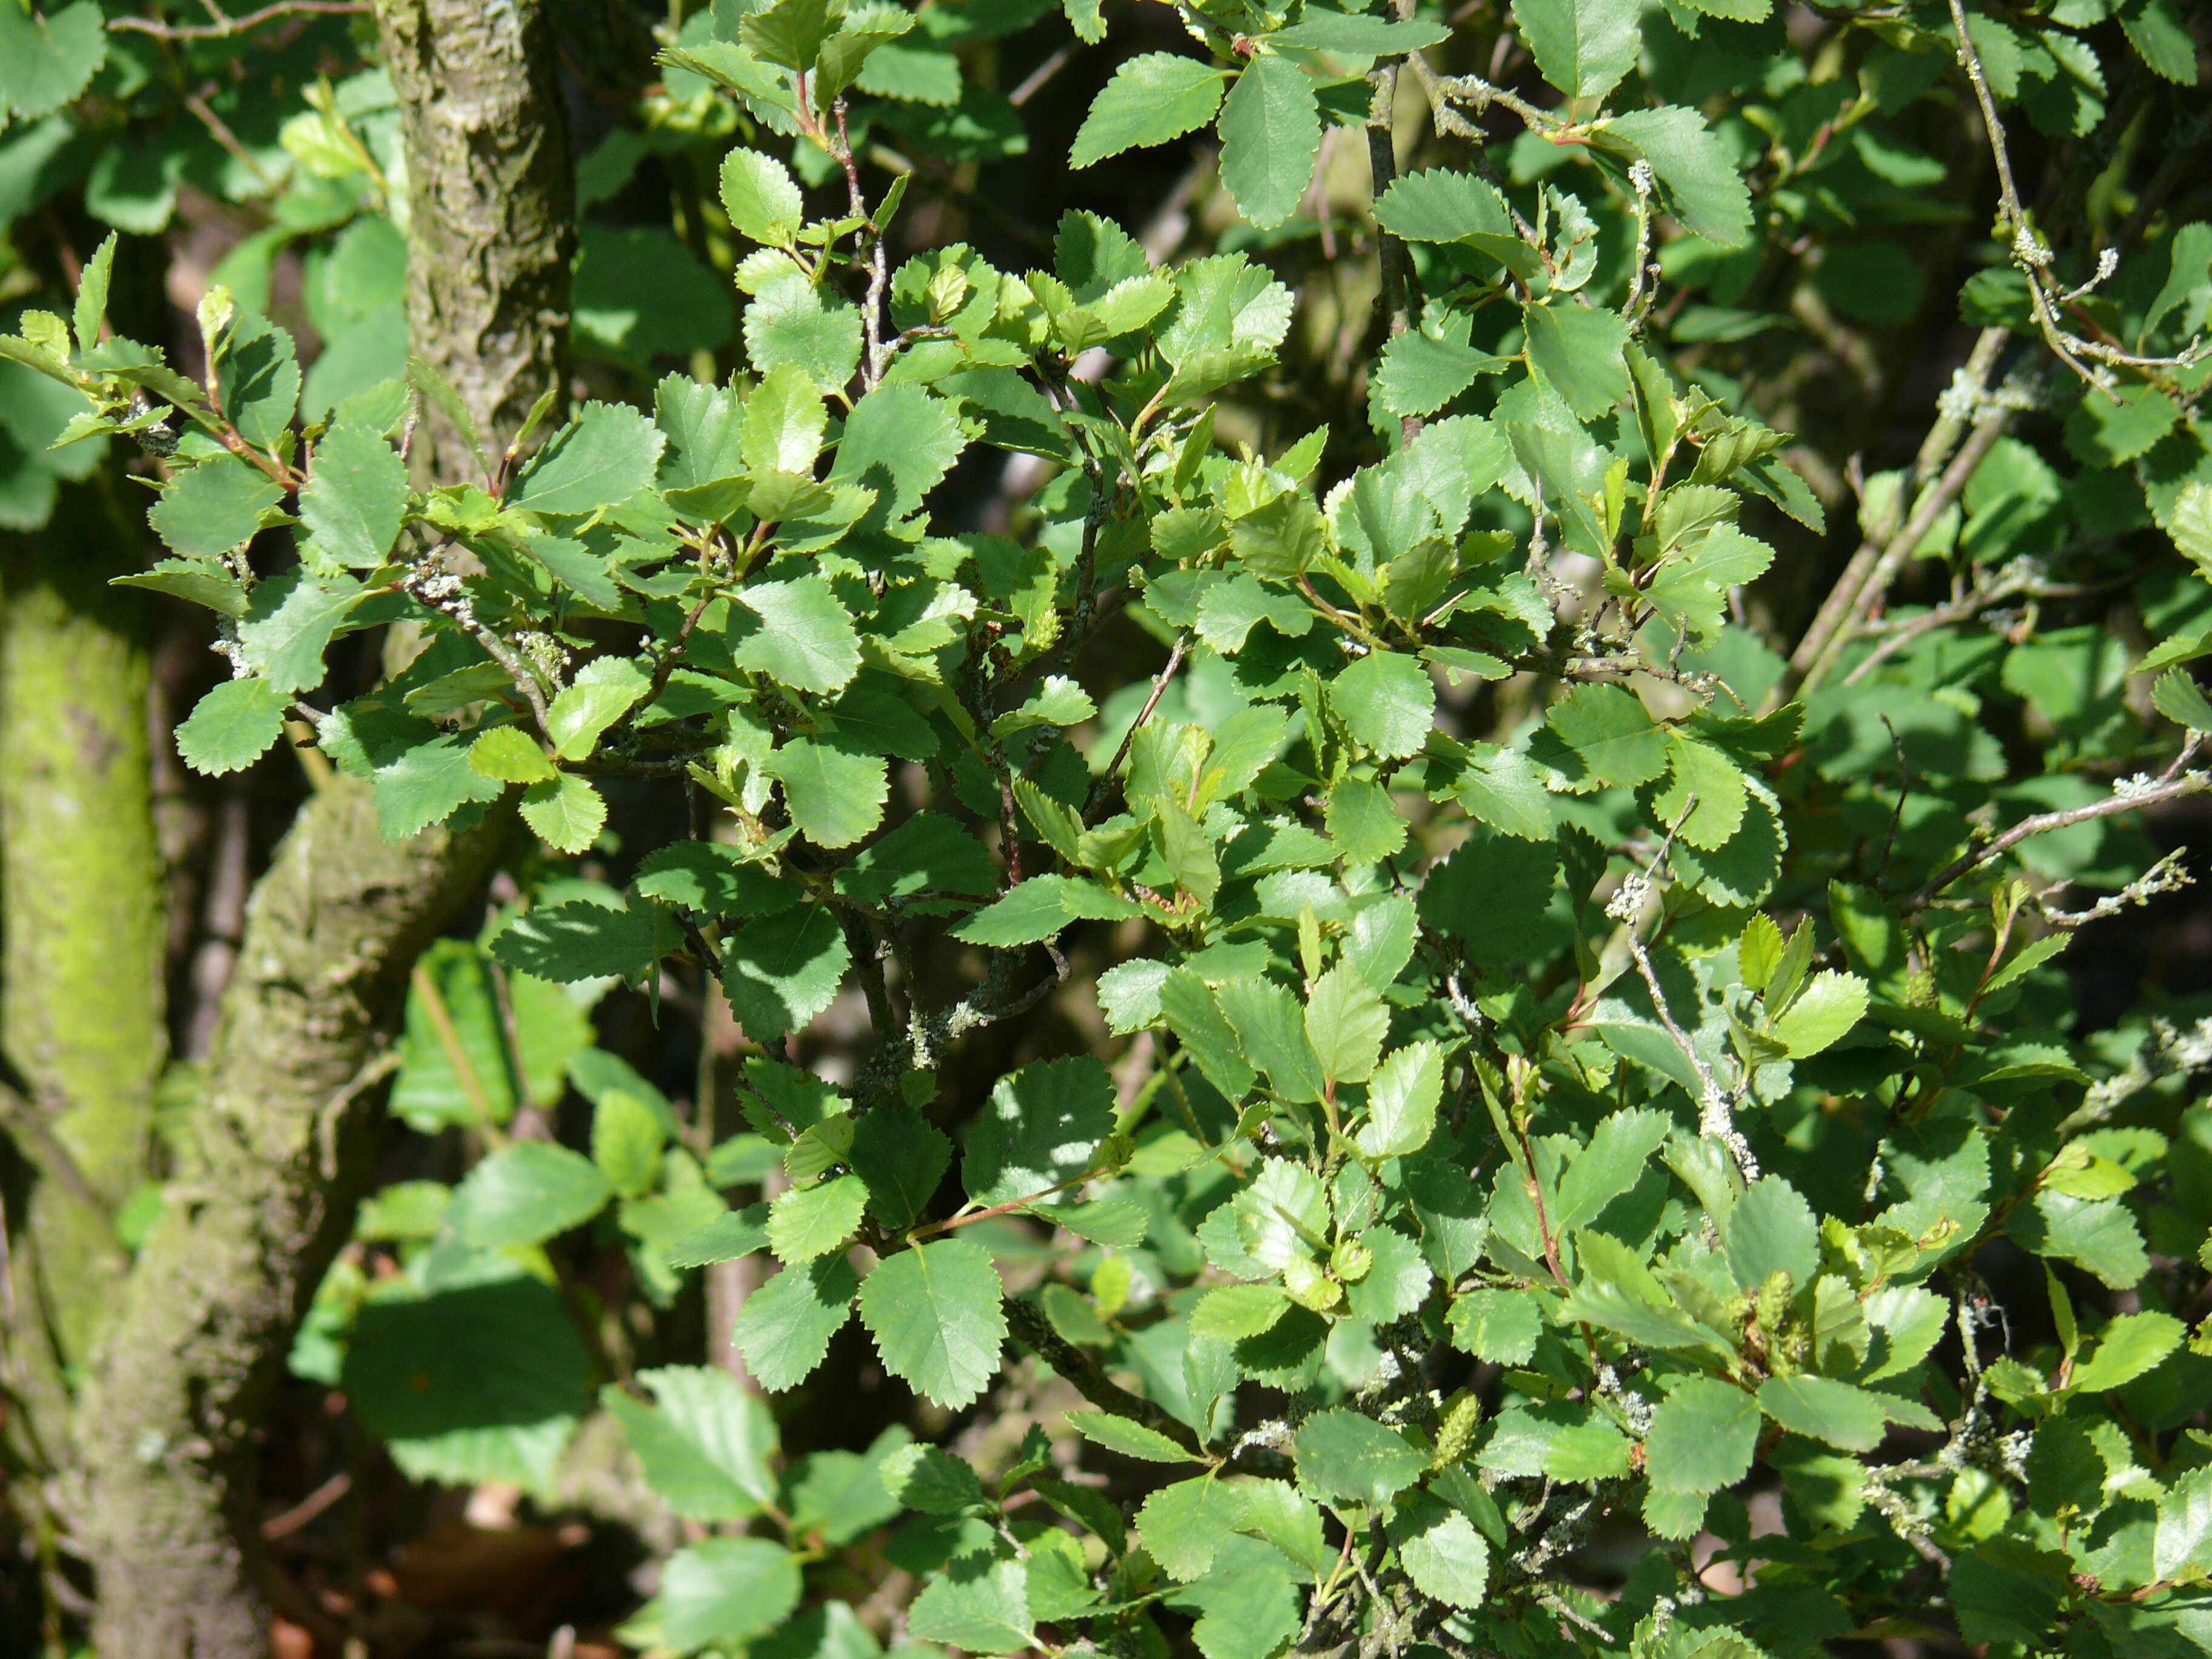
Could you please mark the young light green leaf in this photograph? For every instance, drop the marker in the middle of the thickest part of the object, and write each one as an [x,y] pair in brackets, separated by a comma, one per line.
[760,197]
[567,813]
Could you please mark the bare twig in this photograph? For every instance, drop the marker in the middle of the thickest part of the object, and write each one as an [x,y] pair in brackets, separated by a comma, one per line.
[239,25]
[2176,784]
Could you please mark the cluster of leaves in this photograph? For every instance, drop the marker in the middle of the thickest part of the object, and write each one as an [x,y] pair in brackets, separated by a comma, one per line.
[1583,1066]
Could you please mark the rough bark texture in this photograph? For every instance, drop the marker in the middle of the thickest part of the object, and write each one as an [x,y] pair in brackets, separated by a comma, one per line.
[82,998]
[168,1508]
[166,1428]
[493,193]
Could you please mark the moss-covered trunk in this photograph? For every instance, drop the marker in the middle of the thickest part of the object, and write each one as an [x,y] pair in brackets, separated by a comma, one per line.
[82,998]
[167,1428]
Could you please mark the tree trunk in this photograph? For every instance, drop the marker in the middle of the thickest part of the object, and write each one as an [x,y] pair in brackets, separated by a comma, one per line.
[275,1166]
[493,190]
[275,1150]
[81,990]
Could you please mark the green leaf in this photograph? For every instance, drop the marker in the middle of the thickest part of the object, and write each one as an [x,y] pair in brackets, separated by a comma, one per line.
[835,798]
[579,941]
[565,812]
[627,1138]
[720,1590]
[2161,37]
[1444,204]
[789,32]
[978,1604]
[356,495]
[603,457]
[1829,1006]
[1270,134]
[806,1222]
[1698,183]
[729,1236]
[1579,352]
[1130,1439]
[481,1378]
[705,1448]
[793,321]
[1402,1098]
[1610,733]
[604,690]
[1446,1558]
[1249,1605]
[1396,1282]
[1346,1022]
[208,509]
[1152,98]
[783,425]
[233,726]
[45,62]
[804,639]
[1386,702]
[1619,1151]
[1425,368]
[260,382]
[508,754]
[2130,1347]
[934,1312]
[1821,1408]
[2181,1550]
[1582,46]
[2179,697]
[1271,1028]
[762,199]
[1499,1326]
[1040,908]
[1348,1457]
[1705,794]
[92,290]
[1701,1437]
[2096,1234]
[1233,1312]
[527,1193]
[899,441]
[1357,35]
[290,623]
[780,971]
[784,1329]
[901,1157]
[933,1481]
[1041,1127]
[1771,1228]
[1183,1526]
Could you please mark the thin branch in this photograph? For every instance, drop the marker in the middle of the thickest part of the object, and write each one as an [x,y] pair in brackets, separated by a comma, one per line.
[2175,785]
[1029,1327]
[251,19]
[1159,687]
[1987,430]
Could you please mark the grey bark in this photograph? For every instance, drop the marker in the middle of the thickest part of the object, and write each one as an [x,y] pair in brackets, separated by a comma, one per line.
[166,1428]
[492,193]
[167,1500]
